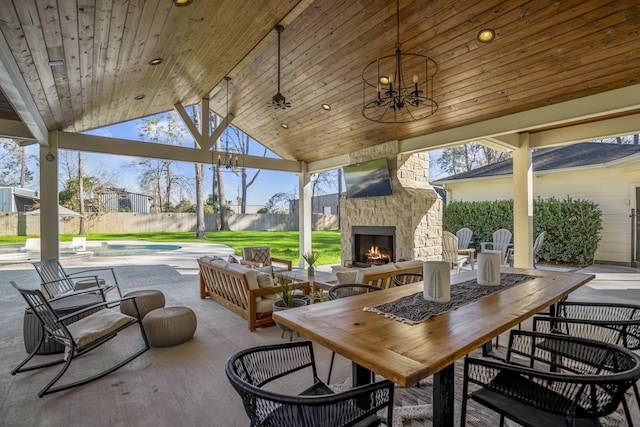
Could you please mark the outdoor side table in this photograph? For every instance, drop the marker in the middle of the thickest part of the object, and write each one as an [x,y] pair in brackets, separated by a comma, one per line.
[32,328]
[146,300]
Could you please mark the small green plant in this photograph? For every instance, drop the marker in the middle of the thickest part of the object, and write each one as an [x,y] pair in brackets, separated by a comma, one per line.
[287,291]
[311,258]
[319,296]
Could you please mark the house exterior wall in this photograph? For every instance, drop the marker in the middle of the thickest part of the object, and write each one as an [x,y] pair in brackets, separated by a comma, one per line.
[612,188]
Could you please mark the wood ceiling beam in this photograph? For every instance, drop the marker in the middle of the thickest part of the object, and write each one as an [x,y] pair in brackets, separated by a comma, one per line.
[126,147]
[617,100]
[507,142]
[15,129]
[15,89]
[218,131]
[586,131]
[191,127]
[203,139]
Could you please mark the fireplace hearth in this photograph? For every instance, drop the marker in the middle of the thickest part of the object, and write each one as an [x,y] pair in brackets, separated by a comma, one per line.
[373,245]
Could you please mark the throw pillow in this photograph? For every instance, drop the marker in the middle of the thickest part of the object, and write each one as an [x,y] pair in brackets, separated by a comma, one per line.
[261,255]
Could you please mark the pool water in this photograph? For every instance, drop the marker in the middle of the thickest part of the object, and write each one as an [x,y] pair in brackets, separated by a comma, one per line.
[106,250]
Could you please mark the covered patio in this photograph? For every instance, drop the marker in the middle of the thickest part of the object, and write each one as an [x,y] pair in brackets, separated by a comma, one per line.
[556,73]
[186,384]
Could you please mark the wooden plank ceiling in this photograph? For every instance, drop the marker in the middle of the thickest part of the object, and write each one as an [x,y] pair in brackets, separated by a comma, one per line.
[546,52]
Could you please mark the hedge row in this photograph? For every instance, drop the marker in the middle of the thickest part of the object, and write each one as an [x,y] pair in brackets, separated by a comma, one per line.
[573,226]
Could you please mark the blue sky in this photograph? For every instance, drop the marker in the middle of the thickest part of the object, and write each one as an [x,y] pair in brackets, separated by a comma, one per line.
[122,172]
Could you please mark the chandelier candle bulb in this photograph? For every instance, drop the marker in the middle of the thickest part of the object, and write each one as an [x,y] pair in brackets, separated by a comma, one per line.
[489,268]
[437,281]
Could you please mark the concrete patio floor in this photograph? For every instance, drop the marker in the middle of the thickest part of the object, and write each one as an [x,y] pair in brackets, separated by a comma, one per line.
[184,385]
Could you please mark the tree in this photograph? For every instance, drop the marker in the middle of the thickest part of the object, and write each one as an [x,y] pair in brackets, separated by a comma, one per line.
[622,139]
[241,145]
[469,156]
[81,230]
[320,183]
[219,180]
[157,176]
[279,203]
[13,164]
[199,172]
[69,196]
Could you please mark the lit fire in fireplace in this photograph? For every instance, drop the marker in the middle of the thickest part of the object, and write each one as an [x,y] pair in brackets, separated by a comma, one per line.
[374,256]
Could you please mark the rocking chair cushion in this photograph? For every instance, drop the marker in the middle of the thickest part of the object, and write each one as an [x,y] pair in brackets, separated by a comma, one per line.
[93,327]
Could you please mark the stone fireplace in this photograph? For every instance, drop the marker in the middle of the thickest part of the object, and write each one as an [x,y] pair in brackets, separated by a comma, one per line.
[413,211]
[373,245]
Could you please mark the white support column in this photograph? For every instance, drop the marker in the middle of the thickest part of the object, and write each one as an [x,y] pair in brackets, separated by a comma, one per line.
[49,247]
[304,212]
[523,204]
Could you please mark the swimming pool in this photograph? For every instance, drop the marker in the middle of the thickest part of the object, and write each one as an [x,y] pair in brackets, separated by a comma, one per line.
[108,249]
[12,253]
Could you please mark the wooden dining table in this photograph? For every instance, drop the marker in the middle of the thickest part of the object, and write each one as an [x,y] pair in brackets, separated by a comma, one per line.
[406,353]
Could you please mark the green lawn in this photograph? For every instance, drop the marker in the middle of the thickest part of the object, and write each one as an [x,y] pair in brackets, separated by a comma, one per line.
[284,244]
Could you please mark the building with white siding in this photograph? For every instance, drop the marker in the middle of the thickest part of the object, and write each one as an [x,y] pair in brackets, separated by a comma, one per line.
[606,174]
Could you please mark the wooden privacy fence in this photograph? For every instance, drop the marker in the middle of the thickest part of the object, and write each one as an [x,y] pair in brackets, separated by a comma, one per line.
[17,224]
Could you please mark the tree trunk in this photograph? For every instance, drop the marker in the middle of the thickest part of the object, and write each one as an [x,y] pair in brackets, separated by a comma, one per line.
[23,167]
[199,170]
[222,201]
[81,230]
[224,224]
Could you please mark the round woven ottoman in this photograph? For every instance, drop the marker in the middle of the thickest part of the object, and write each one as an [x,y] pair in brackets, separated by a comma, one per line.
[169,326]
[147,301]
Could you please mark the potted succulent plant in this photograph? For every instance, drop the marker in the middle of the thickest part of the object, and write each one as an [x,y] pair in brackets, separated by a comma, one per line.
[311,258]
[288,299]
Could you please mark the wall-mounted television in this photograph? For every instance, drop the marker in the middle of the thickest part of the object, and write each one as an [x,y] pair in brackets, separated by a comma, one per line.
[368,179]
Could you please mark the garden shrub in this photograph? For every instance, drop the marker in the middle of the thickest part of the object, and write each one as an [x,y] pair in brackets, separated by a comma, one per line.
[573,226]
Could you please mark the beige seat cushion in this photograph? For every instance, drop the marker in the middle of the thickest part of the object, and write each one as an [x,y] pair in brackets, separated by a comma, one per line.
[346,277]
[93,327]
[264,306]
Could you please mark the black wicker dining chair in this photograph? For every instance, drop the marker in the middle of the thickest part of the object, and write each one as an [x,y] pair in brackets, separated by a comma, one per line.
[402,279]
[343,291]
[78,336]
[615,323]
[253,370]
[551,380]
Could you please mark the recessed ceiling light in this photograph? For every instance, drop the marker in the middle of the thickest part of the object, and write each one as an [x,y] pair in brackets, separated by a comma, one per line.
[284,126]
[139,97]
[486,36]
[156,61]
[326,107]
[56,62]
[182,3]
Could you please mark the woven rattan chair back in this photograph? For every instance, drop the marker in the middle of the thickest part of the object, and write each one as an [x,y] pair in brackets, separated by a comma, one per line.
[348,290]
[553,377]
[251,369]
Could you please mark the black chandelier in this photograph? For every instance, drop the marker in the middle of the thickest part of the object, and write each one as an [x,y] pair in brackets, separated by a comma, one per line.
[228,160]
[398,88]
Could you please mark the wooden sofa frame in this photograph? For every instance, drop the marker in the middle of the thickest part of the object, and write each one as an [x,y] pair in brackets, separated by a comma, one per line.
[385,279]
[230,289]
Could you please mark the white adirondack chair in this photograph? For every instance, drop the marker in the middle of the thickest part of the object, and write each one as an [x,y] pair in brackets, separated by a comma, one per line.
[501,242]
